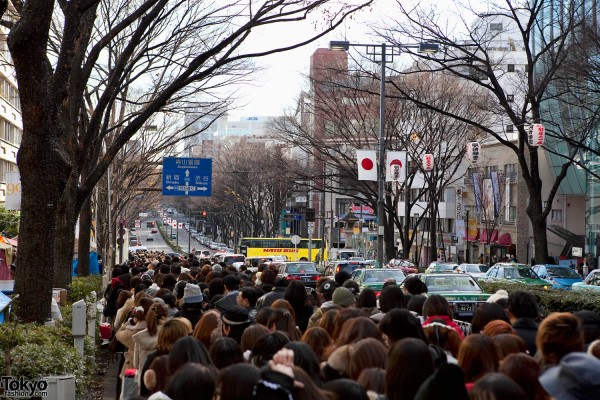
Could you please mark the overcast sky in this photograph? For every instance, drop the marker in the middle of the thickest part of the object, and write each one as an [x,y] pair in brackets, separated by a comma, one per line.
[278,85]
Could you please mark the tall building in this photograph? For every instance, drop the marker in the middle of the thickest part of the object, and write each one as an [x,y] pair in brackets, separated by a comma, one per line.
[11,125]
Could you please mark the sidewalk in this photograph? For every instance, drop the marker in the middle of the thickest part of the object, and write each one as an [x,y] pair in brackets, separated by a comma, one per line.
[110,379]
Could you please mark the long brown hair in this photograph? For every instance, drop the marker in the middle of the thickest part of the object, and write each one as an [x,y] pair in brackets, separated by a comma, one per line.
[156,315]
[368,353]
[319,340]
[282,320]
[477,356]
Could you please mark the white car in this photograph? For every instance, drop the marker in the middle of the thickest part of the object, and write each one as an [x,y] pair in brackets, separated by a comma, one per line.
[441,267]
[475,270]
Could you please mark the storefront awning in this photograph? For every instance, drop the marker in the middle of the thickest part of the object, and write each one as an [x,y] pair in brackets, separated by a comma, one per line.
[505,239]
[493,236]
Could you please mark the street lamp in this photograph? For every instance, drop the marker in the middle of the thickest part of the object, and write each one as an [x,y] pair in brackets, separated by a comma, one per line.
[381,50]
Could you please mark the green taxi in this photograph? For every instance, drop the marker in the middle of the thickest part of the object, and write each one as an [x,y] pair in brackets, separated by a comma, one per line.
[514,272]
[374,278]
[461,290]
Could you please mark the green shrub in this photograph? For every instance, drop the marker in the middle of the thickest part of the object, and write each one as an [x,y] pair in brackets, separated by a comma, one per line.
[83,286]
[33,351]
[551,300]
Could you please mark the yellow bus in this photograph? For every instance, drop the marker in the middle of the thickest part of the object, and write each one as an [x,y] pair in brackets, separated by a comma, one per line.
[264,247]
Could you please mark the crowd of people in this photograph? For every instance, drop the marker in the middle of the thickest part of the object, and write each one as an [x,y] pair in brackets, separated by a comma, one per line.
[190,329]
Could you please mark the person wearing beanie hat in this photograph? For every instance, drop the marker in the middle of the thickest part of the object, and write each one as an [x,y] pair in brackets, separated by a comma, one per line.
[192,303]
[343,297]
[192,294]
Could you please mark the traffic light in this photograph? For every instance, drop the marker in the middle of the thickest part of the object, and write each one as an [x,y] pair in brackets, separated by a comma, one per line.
[203,214]
[310,215]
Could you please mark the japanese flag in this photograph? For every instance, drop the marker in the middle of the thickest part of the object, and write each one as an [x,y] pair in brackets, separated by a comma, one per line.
[181,225]
[174,223]
[367,165]
[395,166]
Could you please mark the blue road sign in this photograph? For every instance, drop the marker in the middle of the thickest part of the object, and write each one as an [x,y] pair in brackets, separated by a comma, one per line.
[186,176]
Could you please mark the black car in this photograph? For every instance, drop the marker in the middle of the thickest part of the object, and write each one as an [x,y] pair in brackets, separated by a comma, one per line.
[305,272]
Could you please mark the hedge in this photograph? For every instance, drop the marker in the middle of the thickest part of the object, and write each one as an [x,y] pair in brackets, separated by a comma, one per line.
[551,300]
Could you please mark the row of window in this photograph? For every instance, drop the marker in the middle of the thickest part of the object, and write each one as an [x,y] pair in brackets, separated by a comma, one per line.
[10,132]
[10,93]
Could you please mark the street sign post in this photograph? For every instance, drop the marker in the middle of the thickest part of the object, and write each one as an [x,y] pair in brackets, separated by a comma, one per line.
[186,176]
[295,241]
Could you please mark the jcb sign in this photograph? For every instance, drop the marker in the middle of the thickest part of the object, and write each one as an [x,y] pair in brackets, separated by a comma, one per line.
[13,190]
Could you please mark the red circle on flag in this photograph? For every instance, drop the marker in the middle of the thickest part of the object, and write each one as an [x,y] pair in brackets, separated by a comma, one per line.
[396,162]
[367,163]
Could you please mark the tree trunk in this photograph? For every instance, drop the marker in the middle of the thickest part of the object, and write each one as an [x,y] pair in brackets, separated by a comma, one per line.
[83,247]
[35,265]
[64,239]
[538,223]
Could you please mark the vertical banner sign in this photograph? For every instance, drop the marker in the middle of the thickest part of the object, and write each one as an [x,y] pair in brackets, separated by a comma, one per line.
[459,223]
[427,162]
[495,192]
[367,165]
[395,166]
[477,193]
[488,199]
[13,190]
[507,200]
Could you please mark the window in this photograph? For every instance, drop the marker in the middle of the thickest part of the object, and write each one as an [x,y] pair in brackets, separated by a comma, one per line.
[556,216]
[510,128]
[510,98]
[511,67]
[512,213]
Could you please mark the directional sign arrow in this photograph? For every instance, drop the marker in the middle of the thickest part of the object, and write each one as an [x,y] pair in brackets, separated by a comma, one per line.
[170,187]
[201,188]
[187,173]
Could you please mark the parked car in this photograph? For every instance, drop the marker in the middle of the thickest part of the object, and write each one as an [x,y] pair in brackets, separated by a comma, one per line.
[475,270]
[375,278]
[305,272]
[461,290]
[438,267]
[561,276]
[513,272]
[407,266]
[591,282]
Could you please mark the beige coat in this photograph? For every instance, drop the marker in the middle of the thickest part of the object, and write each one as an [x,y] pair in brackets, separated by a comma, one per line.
[125,336]
[144,345]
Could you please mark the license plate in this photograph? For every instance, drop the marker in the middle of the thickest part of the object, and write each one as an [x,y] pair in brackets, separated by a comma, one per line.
[306,279]
[465,307]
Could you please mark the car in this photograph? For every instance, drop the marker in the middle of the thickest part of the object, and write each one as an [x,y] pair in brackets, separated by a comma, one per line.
[475,270]
[202,253]
[514,272]
[407,266]
[334,267]
[150,238]
[154,230]
[462,292]
[591,282]
[440,267]
[561,276]
[375,278]
[173,254]
[305,272]
[173,235]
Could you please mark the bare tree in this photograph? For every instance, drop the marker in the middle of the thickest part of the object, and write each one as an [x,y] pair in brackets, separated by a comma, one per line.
[540,44]
[177,49]
[346,106]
